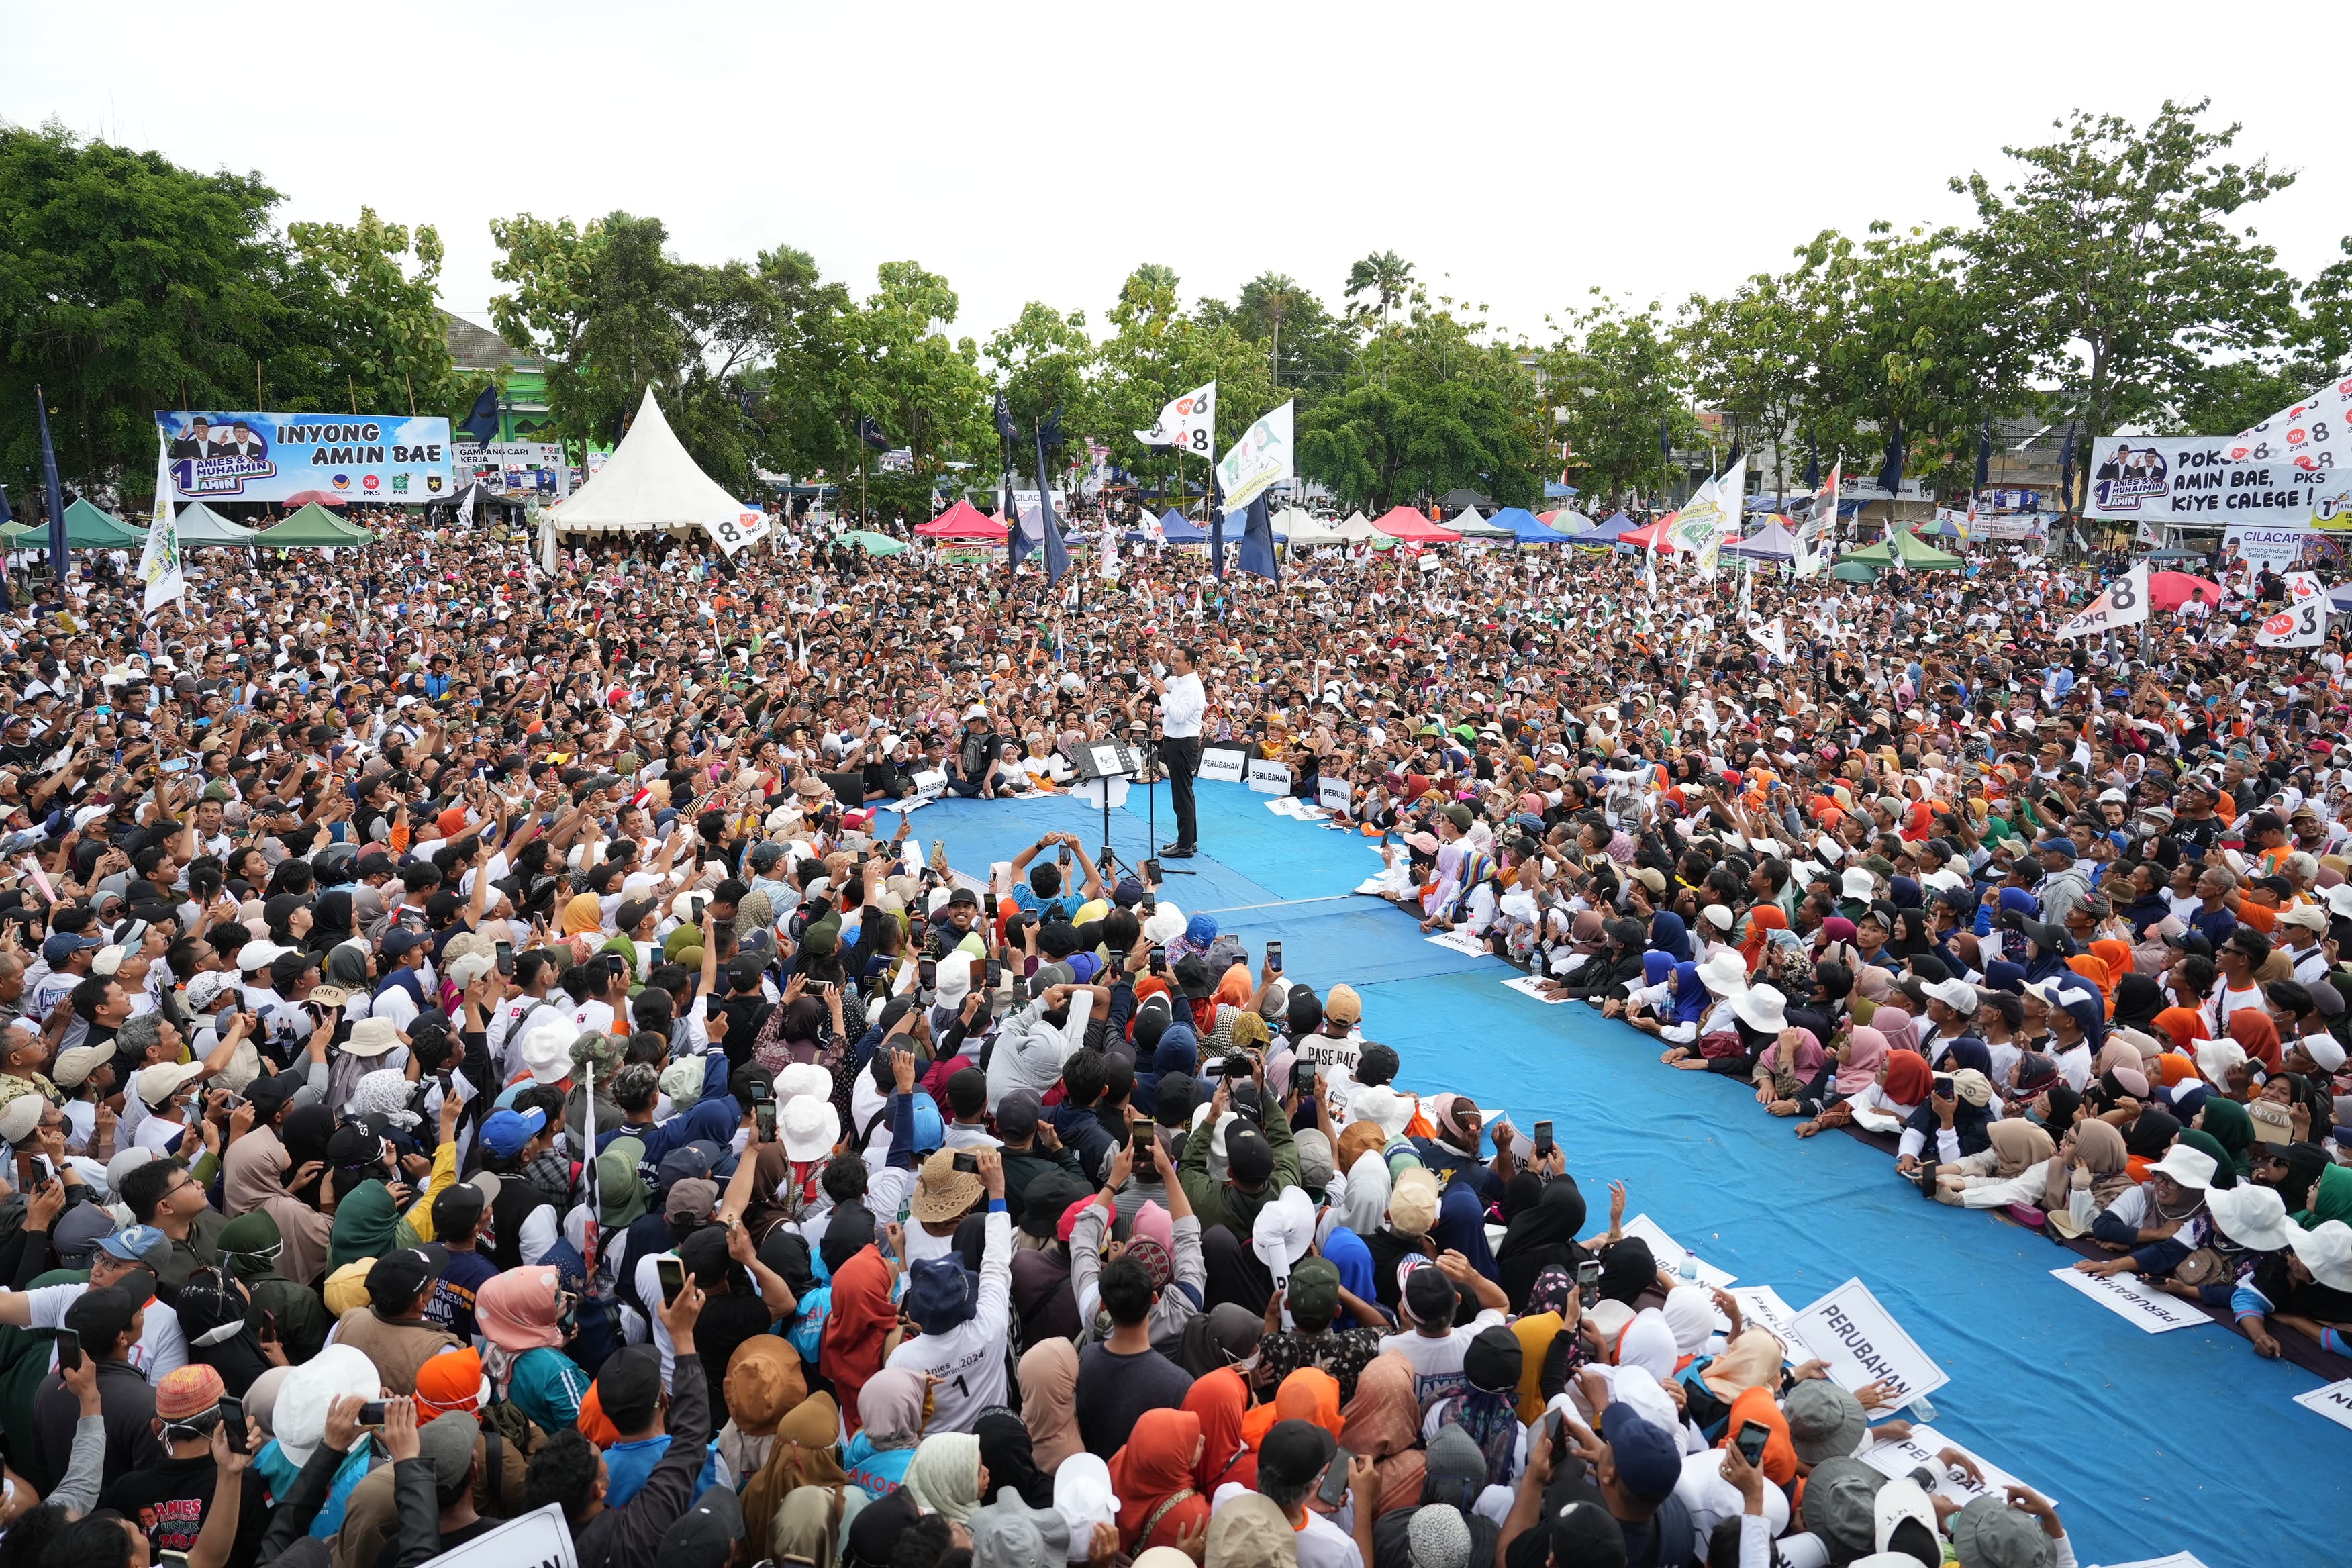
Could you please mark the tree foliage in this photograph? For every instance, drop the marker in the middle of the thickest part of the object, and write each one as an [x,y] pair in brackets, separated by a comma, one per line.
[373,336]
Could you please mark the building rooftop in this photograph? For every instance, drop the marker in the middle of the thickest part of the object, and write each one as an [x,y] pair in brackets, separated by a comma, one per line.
[478,347]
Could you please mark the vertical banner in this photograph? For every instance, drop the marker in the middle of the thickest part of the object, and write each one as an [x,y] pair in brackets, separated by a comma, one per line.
[2304,622]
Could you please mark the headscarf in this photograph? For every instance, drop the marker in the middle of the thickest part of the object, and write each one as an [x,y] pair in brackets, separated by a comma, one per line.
[1804,1058]
[2116,955]
[2150,1133]
[1006,1450]
[209,1303]
[1542,1232]
[1763,920]
[1689,1312]
[1366,1202]
[890,1408]
[1627,1269]
[583,916]
[1897,1028]
[517,1309]
[2256,1031]
[330,921]
[2138,1000]
[810,1523]
[1346,1251]
[2305,1163]
[450,1381]
[1908,1078]
[1310,1393]
[944,1474]
[2184,1026]
[1462,1227]
[1759,1405]
[863,1314]
[1691,999]
[1866,1049]
[1752,1360]
[1155,1463]
[2101,1150]
[365,1221]
[1227,1333]
[1668,935]
[2018,1145]
[1221,1400]
[2331,1197]
[1048,1375]
[2227,1124]
[1648,1344]
[805,1453]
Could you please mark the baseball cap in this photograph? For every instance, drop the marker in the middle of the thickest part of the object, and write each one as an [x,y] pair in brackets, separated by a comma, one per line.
[1429,1294]
[1314,1292]
[630,1380]
[1343,1005]
[1249,1157]
[504,1133]
[73,1066]
[447,1440]
[704,1536]
[1294,1453]
[64,944]
[1649,1460]
[137,1244]
[457,1208]
[393,1283]
[1016,1115]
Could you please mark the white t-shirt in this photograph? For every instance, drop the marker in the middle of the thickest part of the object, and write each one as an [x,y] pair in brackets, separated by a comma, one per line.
[162,1348]
[1321,1544]
[1437,1362]
[968,1359]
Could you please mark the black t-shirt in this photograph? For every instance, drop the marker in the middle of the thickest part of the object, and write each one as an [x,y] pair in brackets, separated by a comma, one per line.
[1113,1390]
[726,1322]
[169,1500]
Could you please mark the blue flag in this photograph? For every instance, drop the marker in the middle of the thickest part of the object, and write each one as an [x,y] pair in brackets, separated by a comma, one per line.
[1890,472]
[1812,470]
[57,497]
[1005,425]
[1257,541]
[1216,527]
[1057,556]
[2067,472]
[482,423]
[1984,453]
[871,434]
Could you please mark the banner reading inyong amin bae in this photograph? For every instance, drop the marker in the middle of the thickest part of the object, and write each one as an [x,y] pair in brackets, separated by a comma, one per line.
[272,456]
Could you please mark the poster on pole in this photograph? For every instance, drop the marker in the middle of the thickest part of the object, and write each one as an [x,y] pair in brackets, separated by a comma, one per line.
[1863,1343]
[233,456]
[2248,550]
[1260,460]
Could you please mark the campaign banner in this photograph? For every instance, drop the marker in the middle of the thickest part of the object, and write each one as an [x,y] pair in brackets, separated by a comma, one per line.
[1269,777]
[1260,460]
[2334,1402]
[274,457]
[1924,1449]
[2304,622]
[1863,1343]
[2125,603]
[1334,795]
[2247,549]
[2201,479]
[1225,765]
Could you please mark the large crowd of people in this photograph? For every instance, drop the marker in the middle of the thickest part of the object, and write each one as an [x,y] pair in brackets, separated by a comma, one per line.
[477,1039]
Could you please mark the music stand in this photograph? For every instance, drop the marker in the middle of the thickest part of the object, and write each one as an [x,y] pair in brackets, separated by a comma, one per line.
[1104,764]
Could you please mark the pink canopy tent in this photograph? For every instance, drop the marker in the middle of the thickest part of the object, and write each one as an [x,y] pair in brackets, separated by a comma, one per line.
[963,521]
[1404,522]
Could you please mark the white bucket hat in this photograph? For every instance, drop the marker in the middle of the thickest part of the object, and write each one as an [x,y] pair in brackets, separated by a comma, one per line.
[1762,1008]
[2188,1166]
[809,1127]
[1282,1232]
[547,1052]
[2252,1217]
[2326,1252]
[1726,974]
[1383,1105]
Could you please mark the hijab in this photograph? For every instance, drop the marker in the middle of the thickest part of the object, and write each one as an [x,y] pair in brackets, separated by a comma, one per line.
[2331,1197]
[365,1225]
[332,922]
[805,1453]
[2184,1026]
[891,1409]
[810,1521]
[2100,1148]
[2018,1145]
[1221,1400]
[2305,1163]
[1690,995]
[583,916]
[1006,1452]
[2138,999]
[1866,1049]
[1156,1464]
[1763,920]
[1900,1030]
[2227,1124]
[1752,1360]
[2150,1133]
[1048,1375]
[862,1317]
[1908,1078]
[1542,1232]
[1462,1227]
[1803,1058]
[1627,1268]
[1670,936]
[2256,1031]
[944,1474]
[1310,1395]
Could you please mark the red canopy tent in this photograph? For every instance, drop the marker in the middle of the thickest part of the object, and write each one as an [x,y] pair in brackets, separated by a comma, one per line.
[2169,591]
[1404,522]
[1638,538]
[963,521]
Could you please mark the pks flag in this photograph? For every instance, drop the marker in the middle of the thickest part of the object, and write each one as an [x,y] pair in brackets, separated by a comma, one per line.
[2304,622]
[1771,636]
[2125,603]
[1260,460]
[1189,422]
[737,528]
[159,560]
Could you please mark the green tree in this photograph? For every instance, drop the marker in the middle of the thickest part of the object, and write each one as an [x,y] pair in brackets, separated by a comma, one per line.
[1747,353]
[1377,446]
[1620,376]
[924,389]
[1309,351]
[375,341]
[2117,259]
[128,284]
[1157,352]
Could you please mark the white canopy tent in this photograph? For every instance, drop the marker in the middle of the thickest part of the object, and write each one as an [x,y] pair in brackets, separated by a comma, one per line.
[1474,524]
[1305,530]
[647,484]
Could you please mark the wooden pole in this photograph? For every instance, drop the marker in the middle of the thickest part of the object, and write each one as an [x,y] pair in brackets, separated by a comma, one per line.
[353,382]
[259,398]
[412,394]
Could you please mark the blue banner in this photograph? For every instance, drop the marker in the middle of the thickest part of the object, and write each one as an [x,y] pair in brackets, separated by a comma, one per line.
[277,457]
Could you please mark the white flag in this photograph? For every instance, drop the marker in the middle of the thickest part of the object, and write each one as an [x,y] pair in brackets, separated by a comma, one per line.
[547,540]
[465,507]
[1109,549]
[1773,637]
[1189,422]
[1260,460]
[2125,603]
[2304,622]
[159,560]
[737,530]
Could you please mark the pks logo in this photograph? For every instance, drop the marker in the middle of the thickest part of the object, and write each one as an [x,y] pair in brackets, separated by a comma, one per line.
[369,483]
[342,481]
[2238,454]
[2295,437]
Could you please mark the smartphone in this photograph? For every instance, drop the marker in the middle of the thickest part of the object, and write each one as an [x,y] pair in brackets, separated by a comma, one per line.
[916,928]
[1588,1276]
[1158,959]
[1943,1085]
[995,976]
[1753,1436]
[967,1163]
[763,1116]
[761,1091]
[927,973]
[1334,1490]
[1543,1140]
[1151,872]
[69,1349]
[1151,905]
[618,964]
[232,1410]
[506,959]
[1556,1434]
[672,1274]
[1274,957]
[179,765]
[372,1413]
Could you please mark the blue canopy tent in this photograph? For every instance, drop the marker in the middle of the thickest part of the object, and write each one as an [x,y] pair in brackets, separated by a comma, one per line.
[1772,542]
[1175,529]
[1609,532]
[1525,529]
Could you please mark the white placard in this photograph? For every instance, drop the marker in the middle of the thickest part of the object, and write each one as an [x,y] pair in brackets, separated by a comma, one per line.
[1222,763]
[1334,795]
[2152,1312]
[1460,940]
[1863,1343]
[2334,1402]
[1761,1305]
[1530,985]
[1670,1253]
[1092,792]
[540,1539]
[2178,1560]
[1269,777]
[1918,1451]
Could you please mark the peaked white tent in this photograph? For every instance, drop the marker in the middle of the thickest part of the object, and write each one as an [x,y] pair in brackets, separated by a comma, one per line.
[1306,531]
[1285,523]
[648,484]
[1475,524]
[199,525]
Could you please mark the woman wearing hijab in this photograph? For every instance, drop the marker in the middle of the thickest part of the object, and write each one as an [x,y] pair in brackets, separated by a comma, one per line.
[583,922]
[2183,1027]
[1898,1087]
[1897,1028]
[1628,1269]
[1048,1375]
[2088,1172]
[814,1523]
[2233,1131]
[1763,920]
[1009,1461]
[2225,1173]
[1945,1130]
[1670,936]
[2257,1034]
[1791,1071]
[858,1328]
[1221,1401]
[946,1475]
[213,1311]
[520,1313]
[805,1453]
[1541,1233]
[1462,1227]
[2138,999]
[2013,1168]
[2292,1170]
[1383,1422]
[1307,1394]
[332,922]
[2145,1138]
[1153,1476]
[367,1224]
[1363,1161]
[889,1425]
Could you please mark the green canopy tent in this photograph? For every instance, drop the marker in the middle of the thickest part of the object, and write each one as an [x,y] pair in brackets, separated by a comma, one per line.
[200,527]
[874,543]
[88,528]
[1917,555]
[312,527]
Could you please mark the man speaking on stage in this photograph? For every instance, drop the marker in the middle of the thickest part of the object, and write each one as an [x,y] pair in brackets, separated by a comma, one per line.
[1182,704]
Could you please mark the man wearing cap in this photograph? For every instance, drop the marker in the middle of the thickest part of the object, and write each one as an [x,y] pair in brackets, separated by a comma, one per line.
[168,1500]
[108,1320]
[1291,1462]
[1259,1163]
[128,1258]
[391,1329]
[458,1210]
[961,1320]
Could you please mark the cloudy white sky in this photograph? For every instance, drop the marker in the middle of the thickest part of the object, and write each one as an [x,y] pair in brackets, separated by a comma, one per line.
[1519,154]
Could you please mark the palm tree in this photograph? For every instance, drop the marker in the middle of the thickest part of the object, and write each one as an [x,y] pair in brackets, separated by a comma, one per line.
[1386,277]
[1271,295]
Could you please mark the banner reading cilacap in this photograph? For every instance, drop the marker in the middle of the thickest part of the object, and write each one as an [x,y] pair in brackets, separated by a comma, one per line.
[273,457]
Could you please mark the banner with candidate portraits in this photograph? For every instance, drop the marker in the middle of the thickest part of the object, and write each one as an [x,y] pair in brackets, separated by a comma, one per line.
[388,459]
[2205,480]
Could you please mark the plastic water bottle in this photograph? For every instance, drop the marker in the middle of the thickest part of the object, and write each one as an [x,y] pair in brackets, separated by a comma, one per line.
[1687,1269]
